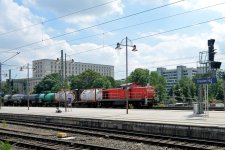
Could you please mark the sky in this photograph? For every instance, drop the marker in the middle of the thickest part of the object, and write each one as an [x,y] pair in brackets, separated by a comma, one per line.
[167,33]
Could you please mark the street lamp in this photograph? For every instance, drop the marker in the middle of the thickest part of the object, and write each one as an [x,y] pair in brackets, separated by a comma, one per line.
[1,92]
[118,46]
[63,74]
[28,87]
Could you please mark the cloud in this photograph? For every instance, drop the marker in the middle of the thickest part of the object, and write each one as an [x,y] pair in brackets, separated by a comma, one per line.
[16,17]
[166,50]
[194,4]
[147,2]
[61,8]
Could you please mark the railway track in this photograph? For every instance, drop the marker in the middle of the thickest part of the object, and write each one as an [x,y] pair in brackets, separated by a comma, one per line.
[166,141]
[32,141]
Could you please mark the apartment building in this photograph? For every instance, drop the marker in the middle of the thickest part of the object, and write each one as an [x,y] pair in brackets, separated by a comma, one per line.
[44,67]
[172,76]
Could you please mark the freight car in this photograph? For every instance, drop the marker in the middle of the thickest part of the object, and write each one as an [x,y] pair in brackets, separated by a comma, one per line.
[137,96]
[61,97]
[6,99]
[56,99]
[15,100]
[47,99]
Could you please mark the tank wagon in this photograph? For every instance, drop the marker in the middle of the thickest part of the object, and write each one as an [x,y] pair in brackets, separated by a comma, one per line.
[47,99]
[137,95]
[34,100]
[61,97]
[15,100]
[18,99]
[7,99]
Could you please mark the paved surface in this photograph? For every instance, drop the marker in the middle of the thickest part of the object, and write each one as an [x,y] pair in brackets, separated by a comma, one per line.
[215,118]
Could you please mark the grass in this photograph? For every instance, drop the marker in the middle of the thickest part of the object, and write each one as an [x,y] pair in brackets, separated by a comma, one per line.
[5,145]
[4,124]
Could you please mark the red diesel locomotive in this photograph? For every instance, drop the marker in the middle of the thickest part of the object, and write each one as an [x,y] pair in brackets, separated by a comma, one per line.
[138,96]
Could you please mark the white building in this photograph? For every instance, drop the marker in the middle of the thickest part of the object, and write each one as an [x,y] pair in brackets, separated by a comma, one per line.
[172,76]
[44,67]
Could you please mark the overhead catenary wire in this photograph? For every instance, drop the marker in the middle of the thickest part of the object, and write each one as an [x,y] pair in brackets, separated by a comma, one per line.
[164,66]
[103,23]
[155,34]
[134,25]
[56,18]
[11,57]
[183,27]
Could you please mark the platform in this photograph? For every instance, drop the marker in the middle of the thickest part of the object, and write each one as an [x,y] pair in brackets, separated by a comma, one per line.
[185,117]
[167,122]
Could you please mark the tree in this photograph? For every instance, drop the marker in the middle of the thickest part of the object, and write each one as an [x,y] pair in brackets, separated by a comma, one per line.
[112,81]
[140,75]
[50,82]
[90,79]
[185,90]
[101,83]
[171,95]
[7,88]
[159,83]
[178,93]
[216,90]
[118,83]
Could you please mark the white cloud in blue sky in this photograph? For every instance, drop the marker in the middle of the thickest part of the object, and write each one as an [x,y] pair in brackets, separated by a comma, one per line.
[164,50]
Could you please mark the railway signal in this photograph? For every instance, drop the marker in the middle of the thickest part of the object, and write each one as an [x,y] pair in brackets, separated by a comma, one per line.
[211,49]
[211,55]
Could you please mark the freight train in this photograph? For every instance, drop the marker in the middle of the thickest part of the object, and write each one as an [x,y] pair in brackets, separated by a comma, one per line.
[44,99]
[138,97]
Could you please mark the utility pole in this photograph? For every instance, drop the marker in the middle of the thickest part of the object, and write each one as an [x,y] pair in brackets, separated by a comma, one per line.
[62,77]
[1,85]
[62,69]
[65,83]
[28,83]
[223,91]
[10,88]
[0,77]
[28,87]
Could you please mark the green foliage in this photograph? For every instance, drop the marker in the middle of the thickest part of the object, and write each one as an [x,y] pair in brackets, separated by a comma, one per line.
[171,91]
[101,82]
[140,75]
[184,91]
[118,83]
[4,145]
[178,93]
[50,82]
[6,89]
[159,83]
[91,79]
[216,90]
[112,81]
[188,89]
[220,88]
